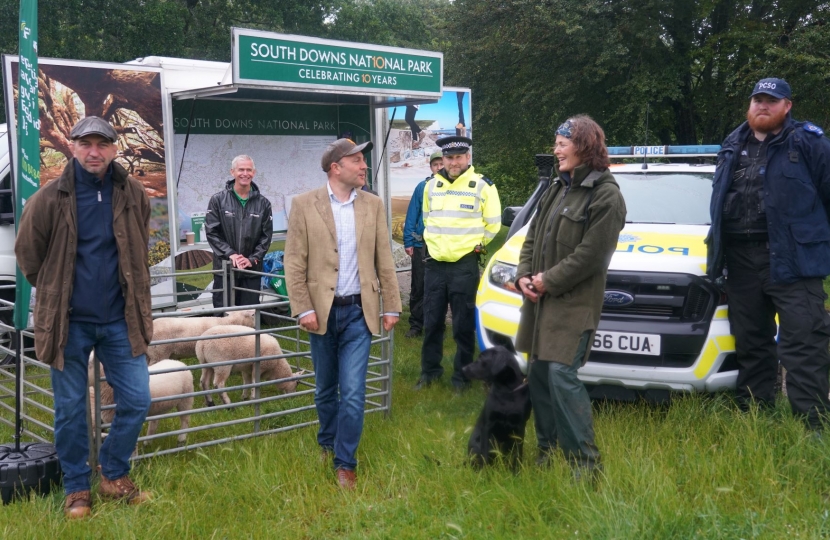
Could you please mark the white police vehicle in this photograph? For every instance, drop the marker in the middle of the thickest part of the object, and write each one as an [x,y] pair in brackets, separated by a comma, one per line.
[664,325]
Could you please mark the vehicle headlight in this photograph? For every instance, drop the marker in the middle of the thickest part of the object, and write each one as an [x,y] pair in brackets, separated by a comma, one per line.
[504,275]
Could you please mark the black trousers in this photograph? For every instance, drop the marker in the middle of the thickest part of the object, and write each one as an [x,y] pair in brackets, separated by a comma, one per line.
[803,333]
[416,289]
[456,283]
[240,298]
[410,120]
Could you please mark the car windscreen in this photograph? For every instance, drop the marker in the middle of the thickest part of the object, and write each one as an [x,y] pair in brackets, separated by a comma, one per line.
[681,198]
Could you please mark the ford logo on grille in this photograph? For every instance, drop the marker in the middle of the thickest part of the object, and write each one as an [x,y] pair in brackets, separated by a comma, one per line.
[617,299]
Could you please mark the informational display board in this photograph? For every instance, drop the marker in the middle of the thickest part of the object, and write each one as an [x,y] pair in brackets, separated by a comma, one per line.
[128,97]
[285,141]
[271,59]
[415,128]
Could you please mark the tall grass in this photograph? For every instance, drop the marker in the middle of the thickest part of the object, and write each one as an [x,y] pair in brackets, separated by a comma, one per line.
[696,468]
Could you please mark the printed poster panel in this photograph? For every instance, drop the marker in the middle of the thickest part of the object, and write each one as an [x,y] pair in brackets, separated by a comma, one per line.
[129,98]
[415,129]
[285,140]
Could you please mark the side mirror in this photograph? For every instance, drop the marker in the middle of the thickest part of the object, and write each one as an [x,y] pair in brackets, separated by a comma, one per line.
[509,215]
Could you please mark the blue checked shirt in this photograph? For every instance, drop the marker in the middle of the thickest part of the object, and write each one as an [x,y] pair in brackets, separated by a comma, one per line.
[348,280]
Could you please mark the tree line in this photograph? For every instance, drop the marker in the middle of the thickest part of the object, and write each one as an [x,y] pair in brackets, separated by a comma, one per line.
[530,63]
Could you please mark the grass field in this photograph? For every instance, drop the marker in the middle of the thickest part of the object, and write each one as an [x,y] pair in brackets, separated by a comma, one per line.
[693,469]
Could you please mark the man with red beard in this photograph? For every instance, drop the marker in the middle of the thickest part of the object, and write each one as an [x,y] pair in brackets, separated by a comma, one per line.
[770,244]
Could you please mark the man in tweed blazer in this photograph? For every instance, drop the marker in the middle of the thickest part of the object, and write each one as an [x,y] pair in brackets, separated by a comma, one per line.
[337,259]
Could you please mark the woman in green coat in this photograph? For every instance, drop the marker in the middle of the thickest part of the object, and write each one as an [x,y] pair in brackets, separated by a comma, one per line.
[562,270]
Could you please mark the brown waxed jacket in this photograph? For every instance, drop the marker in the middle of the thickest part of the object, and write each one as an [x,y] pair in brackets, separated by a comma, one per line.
[571,239]
[46,247]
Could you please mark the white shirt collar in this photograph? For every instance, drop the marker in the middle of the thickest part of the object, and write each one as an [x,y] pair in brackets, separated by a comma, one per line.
[333,198]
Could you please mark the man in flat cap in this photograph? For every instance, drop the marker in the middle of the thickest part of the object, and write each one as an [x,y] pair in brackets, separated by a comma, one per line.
[413,243]
[82,242]
[337,258]
[770,242]
[462,214]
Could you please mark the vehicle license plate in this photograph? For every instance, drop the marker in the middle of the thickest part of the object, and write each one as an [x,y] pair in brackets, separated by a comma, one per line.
[623,342]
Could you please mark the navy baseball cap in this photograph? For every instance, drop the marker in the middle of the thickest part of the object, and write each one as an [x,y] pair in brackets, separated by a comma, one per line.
[777,88]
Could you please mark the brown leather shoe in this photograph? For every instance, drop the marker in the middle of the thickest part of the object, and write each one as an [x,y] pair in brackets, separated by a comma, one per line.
[122,489]
[326,455]
[78,505]
[346,478]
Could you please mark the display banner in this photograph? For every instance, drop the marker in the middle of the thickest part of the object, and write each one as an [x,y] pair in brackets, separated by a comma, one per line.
[28,136]
[412,140]
[238,117]
[267,58]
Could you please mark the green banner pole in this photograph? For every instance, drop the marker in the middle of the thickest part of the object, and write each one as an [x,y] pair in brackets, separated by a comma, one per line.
[28,141]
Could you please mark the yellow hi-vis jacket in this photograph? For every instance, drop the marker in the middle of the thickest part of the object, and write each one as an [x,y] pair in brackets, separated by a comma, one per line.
[459,215]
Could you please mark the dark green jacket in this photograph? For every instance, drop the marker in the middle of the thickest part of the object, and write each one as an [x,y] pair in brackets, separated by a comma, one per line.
[571,239]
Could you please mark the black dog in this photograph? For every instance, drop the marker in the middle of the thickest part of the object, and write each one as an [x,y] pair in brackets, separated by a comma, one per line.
[500,429]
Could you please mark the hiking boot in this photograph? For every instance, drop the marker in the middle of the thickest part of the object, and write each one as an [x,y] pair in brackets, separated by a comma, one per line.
[423,383]
[78,505]
[460,389]
[122,489]
[544,458]
[589,475]
[347,479]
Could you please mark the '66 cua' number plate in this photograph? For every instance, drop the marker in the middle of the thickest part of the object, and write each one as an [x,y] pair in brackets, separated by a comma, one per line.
[627,343]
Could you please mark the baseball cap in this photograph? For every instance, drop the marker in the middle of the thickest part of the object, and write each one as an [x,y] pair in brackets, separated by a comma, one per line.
[436,155]
[777,88]
[340,149]
[93,125]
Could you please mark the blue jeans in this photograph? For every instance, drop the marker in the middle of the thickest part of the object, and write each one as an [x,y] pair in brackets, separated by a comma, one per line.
[341,358]
[130,380]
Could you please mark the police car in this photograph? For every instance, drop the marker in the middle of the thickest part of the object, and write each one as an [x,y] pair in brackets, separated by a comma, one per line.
[664,326]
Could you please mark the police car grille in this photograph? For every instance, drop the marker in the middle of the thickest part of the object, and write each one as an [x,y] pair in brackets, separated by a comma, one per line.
[659,296]
[697,302]
[640,310]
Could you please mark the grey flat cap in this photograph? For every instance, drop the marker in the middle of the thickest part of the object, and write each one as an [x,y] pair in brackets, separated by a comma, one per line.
[93,125]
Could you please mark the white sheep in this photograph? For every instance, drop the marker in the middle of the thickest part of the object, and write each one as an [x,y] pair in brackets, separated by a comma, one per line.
[161,385]
[235,348]
[181,327]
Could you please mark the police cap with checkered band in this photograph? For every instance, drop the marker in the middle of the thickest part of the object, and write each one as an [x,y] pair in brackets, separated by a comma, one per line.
[454,145]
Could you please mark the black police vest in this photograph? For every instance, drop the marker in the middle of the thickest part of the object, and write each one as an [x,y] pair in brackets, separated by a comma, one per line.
[744,214]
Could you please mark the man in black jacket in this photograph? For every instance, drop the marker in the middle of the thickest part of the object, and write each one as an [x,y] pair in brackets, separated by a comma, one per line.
[239,229]
[770,240]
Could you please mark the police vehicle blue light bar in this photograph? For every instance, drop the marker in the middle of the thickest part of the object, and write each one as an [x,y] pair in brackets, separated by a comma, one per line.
[679,150]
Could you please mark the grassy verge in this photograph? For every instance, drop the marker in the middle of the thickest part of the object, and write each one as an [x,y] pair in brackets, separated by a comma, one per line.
[693,469]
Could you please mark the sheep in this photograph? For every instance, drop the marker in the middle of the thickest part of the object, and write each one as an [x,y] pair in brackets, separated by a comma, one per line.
[161,384]
[234,348]
[181,327]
